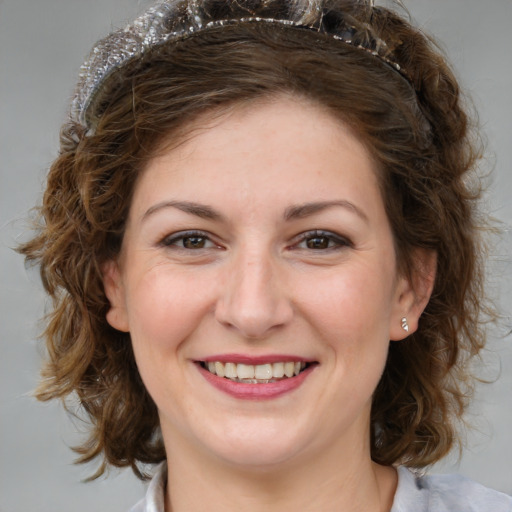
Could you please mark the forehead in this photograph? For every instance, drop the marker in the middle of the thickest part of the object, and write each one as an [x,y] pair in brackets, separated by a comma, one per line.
[284,147]
[269,112]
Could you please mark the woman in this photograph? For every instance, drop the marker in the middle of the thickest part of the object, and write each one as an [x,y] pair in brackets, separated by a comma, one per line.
[261,241]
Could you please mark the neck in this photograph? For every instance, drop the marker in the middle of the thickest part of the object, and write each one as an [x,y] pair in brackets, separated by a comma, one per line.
[333,482]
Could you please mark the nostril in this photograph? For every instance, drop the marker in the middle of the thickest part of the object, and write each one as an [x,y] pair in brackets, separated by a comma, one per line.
[254,322]
[252,302]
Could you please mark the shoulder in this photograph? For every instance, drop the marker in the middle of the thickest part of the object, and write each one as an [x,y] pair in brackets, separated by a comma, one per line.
[446,493]
[431,493]
[155,495]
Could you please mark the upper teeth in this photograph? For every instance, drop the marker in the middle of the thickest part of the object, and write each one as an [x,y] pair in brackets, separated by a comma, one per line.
[258,371]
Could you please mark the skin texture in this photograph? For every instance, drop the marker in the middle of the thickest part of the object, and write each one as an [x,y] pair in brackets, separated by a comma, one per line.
[256,287]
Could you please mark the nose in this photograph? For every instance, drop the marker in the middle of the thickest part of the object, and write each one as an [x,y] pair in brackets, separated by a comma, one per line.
[253,299]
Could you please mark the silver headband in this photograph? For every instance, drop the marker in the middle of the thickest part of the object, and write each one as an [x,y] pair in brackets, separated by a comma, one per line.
[174,20]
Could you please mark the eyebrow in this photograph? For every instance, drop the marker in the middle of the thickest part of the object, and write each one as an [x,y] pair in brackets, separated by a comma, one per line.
[307,209]
[199,210]
[300,211]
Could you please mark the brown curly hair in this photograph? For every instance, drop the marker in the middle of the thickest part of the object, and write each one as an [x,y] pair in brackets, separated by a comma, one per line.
[416,130]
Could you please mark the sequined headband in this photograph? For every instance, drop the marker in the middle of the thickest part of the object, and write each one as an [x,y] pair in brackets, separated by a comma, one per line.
[173,20]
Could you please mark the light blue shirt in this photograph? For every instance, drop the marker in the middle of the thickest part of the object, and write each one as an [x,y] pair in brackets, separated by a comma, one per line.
[431,493]
[445,493]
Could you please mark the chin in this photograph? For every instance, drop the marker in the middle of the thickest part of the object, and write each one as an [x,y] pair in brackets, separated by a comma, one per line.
[257,456]
[255,445]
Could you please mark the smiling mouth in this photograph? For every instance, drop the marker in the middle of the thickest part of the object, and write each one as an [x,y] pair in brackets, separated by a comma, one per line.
[255,374]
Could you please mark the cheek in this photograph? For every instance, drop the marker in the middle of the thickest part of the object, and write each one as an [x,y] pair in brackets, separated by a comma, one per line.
[350,309]
[164,308]
[355,300]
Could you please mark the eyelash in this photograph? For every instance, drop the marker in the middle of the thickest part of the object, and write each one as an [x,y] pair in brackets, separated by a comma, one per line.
[171,240]
[338,242]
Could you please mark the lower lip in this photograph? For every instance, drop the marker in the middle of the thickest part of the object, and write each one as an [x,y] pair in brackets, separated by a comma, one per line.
[247,391]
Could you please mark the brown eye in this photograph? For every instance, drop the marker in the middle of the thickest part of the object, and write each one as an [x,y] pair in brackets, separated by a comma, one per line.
[188,240]
[194,242]
[318,242]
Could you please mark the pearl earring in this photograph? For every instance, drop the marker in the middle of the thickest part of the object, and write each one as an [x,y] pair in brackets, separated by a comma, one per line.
[405,325]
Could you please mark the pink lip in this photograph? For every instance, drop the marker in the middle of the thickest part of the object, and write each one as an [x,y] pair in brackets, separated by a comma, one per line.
[263,359]
[248,391]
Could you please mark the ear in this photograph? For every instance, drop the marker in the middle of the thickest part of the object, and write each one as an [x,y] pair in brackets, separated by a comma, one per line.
[117,315]
[413,294]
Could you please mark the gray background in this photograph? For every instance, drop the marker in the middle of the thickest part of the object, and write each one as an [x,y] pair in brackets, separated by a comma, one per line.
[42,43]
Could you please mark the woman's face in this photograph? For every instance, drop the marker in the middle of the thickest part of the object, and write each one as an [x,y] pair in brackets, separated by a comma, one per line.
[257,249]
